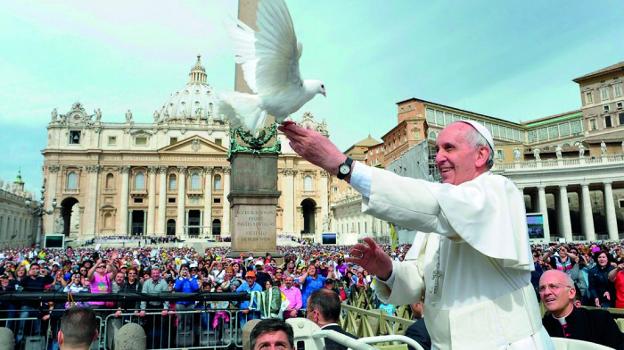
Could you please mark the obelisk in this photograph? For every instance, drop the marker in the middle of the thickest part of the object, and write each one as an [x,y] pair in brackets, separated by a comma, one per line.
[253,187]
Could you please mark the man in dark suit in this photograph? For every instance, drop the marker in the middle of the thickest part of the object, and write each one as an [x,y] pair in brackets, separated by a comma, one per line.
[418,329]
[564,320]
[324,309]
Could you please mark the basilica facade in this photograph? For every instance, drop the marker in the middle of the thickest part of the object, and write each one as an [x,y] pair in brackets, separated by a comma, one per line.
[167,177]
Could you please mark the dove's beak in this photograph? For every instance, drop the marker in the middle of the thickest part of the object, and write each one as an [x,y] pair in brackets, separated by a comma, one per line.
[324,93]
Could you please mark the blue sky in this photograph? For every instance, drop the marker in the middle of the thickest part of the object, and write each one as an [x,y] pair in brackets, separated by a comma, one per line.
[509,59]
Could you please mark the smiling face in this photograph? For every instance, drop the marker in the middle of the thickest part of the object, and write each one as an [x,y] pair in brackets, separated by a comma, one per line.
[603,260]
[457,159]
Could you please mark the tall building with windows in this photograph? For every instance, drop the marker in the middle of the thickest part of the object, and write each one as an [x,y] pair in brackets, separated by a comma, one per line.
[169,176]
[570,166]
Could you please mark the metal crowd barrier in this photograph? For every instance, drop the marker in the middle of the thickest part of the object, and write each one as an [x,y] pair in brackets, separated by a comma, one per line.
[198,326]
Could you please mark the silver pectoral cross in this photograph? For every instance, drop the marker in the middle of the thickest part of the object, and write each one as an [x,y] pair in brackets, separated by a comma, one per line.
[436,275]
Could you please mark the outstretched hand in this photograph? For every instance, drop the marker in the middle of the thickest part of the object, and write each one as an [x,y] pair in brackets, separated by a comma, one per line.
[372,258]
[313,147]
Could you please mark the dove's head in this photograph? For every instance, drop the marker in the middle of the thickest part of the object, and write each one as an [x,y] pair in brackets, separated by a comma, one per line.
[316,86]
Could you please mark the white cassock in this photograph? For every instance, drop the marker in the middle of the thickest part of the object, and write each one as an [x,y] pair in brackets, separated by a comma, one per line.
[475,270]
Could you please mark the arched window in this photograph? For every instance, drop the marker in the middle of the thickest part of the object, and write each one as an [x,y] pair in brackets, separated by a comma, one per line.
[139,181]
[195,182]
[217,182]
[172,182]
[307,183]
[72,180]
[110,181]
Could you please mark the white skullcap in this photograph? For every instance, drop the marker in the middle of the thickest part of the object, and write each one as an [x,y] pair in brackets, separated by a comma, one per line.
[482,130]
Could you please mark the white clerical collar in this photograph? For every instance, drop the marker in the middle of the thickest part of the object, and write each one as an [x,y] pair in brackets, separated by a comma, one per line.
[330,324]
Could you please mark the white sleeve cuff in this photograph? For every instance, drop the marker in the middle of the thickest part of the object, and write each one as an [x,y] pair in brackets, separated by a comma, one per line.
[361,178]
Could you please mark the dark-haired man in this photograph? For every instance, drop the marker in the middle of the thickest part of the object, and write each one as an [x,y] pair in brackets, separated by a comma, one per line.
[78,329]
[272,333]
[323,308]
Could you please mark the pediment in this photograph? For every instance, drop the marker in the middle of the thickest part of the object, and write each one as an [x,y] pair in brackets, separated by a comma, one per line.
[194,144]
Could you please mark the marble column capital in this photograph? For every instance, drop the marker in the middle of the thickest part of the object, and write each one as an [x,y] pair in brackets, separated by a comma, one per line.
[182,170]
[54,168]
[93,168]
[152,170]
[125,169]
[208,170]
[227,170]
[162,169]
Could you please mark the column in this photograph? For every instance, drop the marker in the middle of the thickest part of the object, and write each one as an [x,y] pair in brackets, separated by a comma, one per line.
[543,208]
[563,210]
[288,191]
[151,200]
[122,223]
[225,226]
[610,212]
[180,221]
[323,192]
[162,201]
[587,216]
[208,201]
[92,196]
[52,180]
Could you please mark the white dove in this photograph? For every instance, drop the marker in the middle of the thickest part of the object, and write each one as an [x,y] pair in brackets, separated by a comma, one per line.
[270,64]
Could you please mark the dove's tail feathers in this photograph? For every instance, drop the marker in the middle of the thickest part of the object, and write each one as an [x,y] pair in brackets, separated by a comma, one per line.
[240,108]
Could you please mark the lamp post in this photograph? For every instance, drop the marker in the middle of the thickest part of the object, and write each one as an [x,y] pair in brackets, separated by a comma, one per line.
[39,211]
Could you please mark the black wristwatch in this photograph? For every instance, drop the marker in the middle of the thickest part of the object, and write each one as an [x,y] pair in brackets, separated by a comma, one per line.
[345,168]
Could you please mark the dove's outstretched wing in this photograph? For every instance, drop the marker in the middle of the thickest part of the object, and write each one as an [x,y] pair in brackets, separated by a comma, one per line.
[277,49]
[244,41]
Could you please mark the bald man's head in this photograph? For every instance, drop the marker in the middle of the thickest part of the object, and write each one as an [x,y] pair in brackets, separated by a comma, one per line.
[557,292]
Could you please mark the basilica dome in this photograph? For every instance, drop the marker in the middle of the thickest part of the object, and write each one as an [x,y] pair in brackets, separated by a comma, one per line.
[195,102]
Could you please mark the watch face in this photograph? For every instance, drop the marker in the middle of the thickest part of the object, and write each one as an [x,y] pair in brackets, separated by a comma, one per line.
[344,169]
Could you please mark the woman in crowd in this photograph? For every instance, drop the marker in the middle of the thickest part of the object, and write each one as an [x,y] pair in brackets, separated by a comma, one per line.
[600,288]
[310,282]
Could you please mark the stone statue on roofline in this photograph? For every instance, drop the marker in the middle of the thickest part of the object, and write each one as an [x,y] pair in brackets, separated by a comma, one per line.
[558,152]
[581,150]
[536,153]
[603,148]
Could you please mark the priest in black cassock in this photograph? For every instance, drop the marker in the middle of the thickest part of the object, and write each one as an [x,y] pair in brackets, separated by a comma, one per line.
[564,320]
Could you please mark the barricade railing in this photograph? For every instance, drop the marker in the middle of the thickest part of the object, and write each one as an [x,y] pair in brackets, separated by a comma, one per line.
[192,321]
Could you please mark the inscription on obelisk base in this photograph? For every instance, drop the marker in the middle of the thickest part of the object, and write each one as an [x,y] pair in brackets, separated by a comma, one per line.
[253,203]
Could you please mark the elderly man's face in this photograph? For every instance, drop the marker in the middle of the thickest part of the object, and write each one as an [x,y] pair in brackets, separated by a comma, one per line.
[457,160]
[555,292]
[155,274]
[273,341]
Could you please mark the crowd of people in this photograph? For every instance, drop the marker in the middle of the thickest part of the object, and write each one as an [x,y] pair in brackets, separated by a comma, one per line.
[596,269]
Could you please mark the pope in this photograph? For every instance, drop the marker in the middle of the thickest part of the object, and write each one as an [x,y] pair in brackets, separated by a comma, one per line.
[471,257]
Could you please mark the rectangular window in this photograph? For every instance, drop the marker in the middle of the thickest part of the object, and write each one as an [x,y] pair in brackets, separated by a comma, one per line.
[74,137]
[605,108]
[439,118]
[430,115]
[592,124]
[608,122]
[604,93]
[564,129]
[577,127]
[171,200]
[219,142]
[553,132]
[589,99]
[542,134]
[216,200]
[140,140]
[619,105]
[617,89]
[112,140]
[173,140]
[138,200]
[621,118]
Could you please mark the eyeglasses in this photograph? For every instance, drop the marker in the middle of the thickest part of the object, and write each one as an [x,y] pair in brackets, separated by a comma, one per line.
[132,273]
